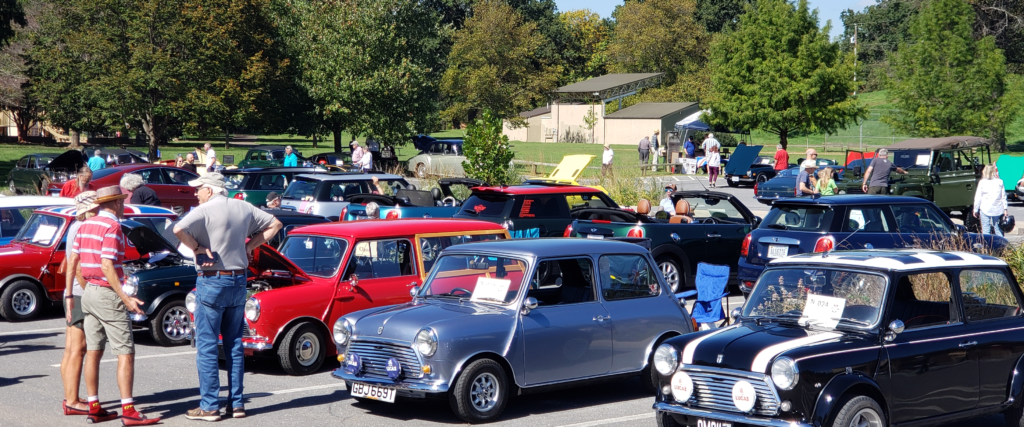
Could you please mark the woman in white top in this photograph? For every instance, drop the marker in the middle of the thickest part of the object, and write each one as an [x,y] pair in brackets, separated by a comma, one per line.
[990,200]
[714,163]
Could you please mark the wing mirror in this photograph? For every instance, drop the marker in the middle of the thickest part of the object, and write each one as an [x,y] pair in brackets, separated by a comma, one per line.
[414,291]
[756,222]
[960,228]
[353,282]
[736,313]
[529,305]
[895,328]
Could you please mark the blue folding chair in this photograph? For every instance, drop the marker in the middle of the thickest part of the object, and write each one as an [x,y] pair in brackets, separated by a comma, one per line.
[712,281]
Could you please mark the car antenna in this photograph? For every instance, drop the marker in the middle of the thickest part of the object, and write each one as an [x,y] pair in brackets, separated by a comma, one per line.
[825,255]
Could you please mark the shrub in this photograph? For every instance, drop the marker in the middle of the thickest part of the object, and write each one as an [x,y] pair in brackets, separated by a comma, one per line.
[488,153]
[626,186]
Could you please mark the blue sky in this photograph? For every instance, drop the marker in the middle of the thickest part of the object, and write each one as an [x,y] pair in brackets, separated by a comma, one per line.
[827,9]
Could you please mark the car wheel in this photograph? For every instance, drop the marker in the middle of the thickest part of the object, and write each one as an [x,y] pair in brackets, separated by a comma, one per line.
[12,187]
[671,271]
[1014,416]
[480,393]
[421,170]
[20,301]
[170,325]
[649,376]
[762,178]
[665,420]
[43,184]
[731,183]
[860,411]
[302,350]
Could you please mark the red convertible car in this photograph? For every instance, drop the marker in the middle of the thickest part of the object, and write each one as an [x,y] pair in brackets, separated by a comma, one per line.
[29,278]
[339,268]
[169,183]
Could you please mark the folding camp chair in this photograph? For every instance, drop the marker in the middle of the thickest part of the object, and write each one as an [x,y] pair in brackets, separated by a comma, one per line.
[711,281]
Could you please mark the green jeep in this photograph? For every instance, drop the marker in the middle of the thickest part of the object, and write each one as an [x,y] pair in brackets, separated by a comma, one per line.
[266,156]
[943,170]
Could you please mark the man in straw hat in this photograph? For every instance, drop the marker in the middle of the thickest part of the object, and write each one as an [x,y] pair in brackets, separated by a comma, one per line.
[100,247]
[74,335]
[216,231]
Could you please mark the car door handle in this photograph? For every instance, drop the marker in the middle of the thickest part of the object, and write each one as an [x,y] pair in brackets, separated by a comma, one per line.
[968,344]
[600,318]
[714,235]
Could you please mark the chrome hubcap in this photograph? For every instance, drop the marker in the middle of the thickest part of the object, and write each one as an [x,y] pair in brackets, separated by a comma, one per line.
[24,302]
[866,418]
[484,392]
[421,171]
[175,323]
[307,349]
[671,274]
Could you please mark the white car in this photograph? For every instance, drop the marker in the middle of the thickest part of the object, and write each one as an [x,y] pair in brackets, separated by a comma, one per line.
[327,194]
[15,211]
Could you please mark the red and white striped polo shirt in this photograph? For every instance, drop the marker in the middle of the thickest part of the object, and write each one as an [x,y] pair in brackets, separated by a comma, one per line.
[99,238]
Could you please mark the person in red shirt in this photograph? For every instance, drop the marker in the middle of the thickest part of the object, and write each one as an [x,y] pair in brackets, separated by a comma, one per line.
[79,184]
[781,158]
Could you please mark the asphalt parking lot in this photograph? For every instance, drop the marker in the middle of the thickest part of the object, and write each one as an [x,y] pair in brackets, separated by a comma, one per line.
[166,385]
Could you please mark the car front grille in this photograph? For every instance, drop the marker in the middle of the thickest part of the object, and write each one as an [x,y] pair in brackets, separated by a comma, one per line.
[713,390]
[245,329]
[375,355]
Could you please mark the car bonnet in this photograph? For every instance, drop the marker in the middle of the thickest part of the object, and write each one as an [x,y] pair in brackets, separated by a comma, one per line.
[266,258]
[145,239]
[70,160]
[741,159]
[749,347]
[402,322]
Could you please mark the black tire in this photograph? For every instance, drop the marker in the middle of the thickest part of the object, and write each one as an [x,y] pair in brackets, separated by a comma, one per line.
[761,178]
[13,188]
[731,183]
[666,420]
[170,324]
[666,264]
[858,409]
[486,380]
[21,301]
[43,184]
[302,350]
[649,376]
[1014,416]
[973,224]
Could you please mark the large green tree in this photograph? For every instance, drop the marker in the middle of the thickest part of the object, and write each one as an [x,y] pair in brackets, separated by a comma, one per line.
[879,29]
[495,64]
[586,51]
[778,72]
[717,14]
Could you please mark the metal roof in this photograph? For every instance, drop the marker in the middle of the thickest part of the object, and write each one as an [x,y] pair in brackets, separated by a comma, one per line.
[652,110]
[946,143]
[545,247]
[608,86]
[536,112]
[896,260]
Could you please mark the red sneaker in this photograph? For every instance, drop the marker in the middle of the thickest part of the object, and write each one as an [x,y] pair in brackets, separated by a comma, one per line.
[98,415]
[131,417]
[71,410]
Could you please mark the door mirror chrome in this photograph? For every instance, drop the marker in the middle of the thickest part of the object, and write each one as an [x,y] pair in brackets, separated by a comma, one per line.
[960,228]
[353,282]
[895,328]
[756,222]
[736,313]
[529,305]
[414,291]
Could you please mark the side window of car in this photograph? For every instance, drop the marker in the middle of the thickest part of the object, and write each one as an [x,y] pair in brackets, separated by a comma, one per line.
[179,177]
[379,259]
[430,248]
[272,182]
[263,155]
[541,206]
[627,277]
[987,294]
[584,201]
[23,162]
[923,300]
[919,219]
[866,220]
[341,190]
[563,281]
[150,176]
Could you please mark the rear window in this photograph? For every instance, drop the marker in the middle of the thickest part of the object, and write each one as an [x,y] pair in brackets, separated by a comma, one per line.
[300,189]
[911,158]
[541,206]
[799,218]
[485,205]
[235,181]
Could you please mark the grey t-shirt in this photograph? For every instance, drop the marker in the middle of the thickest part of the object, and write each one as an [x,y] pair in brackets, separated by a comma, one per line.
[76,289]
[880,170]
[223,224]
[805,178]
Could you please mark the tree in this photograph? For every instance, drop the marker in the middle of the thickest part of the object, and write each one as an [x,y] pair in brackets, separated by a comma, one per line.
[14,84]
[11,14]
[488,153]
[590,121]
[946,83]
[1003,20]
[778,72]
[494,65]
[717,14]
[879,29]
[586,51]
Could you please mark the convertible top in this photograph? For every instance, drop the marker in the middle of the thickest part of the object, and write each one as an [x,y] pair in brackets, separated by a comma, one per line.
[946,143]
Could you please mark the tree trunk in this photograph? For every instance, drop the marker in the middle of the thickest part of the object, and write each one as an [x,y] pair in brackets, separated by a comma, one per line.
[337,137]
[75,139]
[999,138]
[314,140]
[22,122]
[154,128]
[784,138]
[227,140]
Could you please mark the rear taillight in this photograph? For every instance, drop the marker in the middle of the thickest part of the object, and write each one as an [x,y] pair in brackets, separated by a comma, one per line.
[755,188]
[601,221]
[635,231]
[394,214]
[343,212]
[240,195]
[568,231]
[825,244]
[745,246]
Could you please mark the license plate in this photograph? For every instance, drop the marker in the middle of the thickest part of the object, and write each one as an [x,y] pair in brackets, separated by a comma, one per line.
[595,236]
[704,422]
[777,251]
[735,179]
[384,394]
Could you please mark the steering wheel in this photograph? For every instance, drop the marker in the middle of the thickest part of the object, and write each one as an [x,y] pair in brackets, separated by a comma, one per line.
[428,250]
[709,220]
[463,290]
[447,199]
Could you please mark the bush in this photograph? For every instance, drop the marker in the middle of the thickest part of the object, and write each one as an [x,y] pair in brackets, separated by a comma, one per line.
[488,153]
[627,187]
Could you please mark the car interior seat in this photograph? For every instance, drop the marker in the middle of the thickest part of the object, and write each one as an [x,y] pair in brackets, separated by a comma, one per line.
[643,207]
[682,215]
[575,287]
[436,194]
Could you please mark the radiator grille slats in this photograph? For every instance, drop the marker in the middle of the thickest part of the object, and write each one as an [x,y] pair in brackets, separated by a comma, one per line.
[713,390]
[375,357]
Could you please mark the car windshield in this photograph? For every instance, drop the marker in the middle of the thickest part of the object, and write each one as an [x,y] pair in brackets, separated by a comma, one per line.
[104,172]
[301,188]
[799,218]
[40,230]
[911,158]
[819,297]
[235,181]
[476,278]
[712,207]
[485,205]
[317,256]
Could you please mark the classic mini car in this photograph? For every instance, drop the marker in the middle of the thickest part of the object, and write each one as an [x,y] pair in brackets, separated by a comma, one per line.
[442,201]
[802,225]
[170,183]
[532,210]
[15,212]
[707,226]
[327,194]
[341,268]
[29,276]
[33,173]
[746,167]
[440,158]
[857,338]
[254,184]
[496,319]
[266,156]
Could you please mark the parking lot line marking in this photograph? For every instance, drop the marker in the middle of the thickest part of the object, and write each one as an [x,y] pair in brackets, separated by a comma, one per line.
[151,356]
[612,420]
[297,390]
[33,331]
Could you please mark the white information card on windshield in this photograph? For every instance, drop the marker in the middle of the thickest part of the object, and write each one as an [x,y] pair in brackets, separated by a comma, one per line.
[490,289]
[823,311]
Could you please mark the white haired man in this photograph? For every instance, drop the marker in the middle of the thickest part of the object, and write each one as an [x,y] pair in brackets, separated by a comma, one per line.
[140,193]
[291,160]
[876,178]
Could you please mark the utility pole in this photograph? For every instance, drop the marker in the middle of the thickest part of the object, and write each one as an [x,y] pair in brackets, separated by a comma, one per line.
[855,59]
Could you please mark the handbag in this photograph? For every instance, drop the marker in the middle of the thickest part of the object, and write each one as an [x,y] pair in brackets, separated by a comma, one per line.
[1007,223]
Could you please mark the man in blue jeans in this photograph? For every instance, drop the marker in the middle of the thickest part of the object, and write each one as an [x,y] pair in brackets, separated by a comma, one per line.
[216,231]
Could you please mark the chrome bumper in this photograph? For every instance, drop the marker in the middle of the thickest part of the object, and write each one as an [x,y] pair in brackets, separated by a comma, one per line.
[718,416]
[437,386]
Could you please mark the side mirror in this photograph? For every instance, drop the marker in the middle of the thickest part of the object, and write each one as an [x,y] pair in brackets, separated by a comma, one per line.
[756,222]
[529,305]
[414,291]
[895,328]
[353,282]
[736,313]
[960,228]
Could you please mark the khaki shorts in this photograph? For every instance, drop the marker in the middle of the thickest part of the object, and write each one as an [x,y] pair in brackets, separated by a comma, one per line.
[106,319]
[77,316]
[878,190]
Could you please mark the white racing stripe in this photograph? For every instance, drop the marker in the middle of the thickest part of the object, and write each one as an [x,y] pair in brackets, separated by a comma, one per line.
[151,356]
[611,420]
[692,346]
[766,355]
[33,331]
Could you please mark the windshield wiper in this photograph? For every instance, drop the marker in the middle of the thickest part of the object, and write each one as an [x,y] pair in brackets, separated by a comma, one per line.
[492,300]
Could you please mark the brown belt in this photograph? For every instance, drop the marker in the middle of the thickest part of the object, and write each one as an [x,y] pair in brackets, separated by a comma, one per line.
[211,273]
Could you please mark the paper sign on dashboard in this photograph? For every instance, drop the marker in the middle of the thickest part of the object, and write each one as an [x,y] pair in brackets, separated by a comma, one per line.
[823,311]
[490,289]
[44,233]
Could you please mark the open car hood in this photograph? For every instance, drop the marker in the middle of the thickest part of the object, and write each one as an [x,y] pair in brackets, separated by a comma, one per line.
[145,239]
[71,160]
[741,159]
[571,167]
[266,258]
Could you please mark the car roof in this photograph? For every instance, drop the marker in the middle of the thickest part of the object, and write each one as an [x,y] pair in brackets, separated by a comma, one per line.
[893,260]
[268,148]
[278,169]
[397,227]
[549,247]
[537,189]
[852,199]
[43,154]
[348,176]
[135,210]
[34,201]
[286,213]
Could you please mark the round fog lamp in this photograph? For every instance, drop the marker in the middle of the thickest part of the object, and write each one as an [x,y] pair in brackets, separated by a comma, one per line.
[682,387]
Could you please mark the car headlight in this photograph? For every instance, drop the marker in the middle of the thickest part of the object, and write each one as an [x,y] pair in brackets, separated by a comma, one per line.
[666,359]
[131,285]
[191,302]
[342,331]
[252,309]
[785,373]
[426,342]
